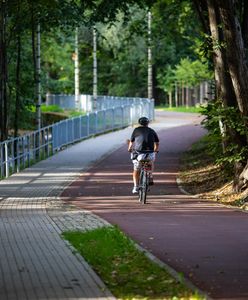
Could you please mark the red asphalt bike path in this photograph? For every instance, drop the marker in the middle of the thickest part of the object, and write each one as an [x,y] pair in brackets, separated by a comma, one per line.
[204,240]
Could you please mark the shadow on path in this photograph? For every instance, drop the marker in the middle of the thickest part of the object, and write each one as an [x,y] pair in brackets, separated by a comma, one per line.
[205,241]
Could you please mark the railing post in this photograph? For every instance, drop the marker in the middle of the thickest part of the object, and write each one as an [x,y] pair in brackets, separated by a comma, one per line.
[15,157]
[122,116]
[88,124]
[6,159]
[104,120]
[28,145]
[113,118]
[72,130]
[1,160]
[80,127]
[53,133]
[96,121]
[67,131]
[131,114]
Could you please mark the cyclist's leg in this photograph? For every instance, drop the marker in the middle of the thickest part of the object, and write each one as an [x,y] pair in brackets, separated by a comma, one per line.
[136,173]
[136,177]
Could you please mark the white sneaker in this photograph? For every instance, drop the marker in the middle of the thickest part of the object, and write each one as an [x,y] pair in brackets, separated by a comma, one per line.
[135,190]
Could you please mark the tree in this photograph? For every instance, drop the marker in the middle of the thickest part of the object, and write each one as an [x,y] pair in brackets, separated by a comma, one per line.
[231,72]
[3,72]
[176,36]
[18,22]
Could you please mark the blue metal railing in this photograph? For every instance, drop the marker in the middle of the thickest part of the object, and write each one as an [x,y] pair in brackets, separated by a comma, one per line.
[19,153]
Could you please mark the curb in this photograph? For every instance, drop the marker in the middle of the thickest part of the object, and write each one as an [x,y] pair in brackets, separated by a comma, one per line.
[148,254]
[172,272]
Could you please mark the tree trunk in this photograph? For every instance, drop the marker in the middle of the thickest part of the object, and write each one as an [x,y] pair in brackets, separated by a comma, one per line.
[33,26]
[224,88]
[235,53]
[237,68]
[228,66]
[3,74]
[38,83]
[245,26]
[17,104]
[201,9]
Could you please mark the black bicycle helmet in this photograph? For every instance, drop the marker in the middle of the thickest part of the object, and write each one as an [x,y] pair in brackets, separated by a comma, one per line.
[143,121]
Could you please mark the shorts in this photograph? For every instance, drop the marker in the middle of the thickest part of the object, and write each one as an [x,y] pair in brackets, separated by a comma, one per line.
[141,156]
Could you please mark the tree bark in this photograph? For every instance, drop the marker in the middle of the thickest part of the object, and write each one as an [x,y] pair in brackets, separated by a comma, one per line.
[229,67]
[224,87]
[245,26]
[3,74]
[201,9]
[237,67]
[33,30]
[235,53]
[17,104]
[223,80]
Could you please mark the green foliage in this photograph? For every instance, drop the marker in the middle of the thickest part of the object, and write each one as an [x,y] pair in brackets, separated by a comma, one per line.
[189,72]
[73,113]
[122,46]
[229,116]
[127,272]
[167,79]
[181,109]
[125,46]
[51,108]
[192,72]
[223,123]
[57,63]
[177,36]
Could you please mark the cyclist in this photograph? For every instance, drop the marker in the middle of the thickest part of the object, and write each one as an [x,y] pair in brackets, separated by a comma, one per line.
[144,139]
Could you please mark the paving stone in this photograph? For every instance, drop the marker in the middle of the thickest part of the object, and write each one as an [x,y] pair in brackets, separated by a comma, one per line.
[36,263]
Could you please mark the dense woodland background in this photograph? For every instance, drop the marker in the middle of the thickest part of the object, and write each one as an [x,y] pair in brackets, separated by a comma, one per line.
[191,41]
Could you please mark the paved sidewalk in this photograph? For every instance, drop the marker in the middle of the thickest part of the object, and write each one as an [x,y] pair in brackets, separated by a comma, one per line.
[35,262]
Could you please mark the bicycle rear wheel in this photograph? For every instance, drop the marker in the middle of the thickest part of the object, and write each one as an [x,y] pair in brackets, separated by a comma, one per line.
[143,186]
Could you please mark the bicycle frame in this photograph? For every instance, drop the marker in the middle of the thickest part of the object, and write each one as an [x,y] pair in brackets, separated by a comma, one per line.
[144,177]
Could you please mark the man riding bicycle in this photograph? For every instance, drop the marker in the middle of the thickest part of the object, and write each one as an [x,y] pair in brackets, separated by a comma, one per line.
[144,141]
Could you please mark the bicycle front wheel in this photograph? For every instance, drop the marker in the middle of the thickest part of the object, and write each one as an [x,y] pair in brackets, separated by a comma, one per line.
[143,186]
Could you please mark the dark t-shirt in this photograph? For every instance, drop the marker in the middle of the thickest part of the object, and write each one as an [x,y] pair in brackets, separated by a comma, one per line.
[144,138]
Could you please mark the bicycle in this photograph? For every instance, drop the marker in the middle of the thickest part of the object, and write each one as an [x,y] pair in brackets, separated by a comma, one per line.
[144,179]
[144,176]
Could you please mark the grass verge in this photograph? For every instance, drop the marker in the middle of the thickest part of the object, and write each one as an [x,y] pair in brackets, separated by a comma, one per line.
[192,109]
[125,270]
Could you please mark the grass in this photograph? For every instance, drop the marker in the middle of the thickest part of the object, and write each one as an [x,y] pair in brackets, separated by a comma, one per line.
[192,109]
[51,108]
[125,270]
[71,113]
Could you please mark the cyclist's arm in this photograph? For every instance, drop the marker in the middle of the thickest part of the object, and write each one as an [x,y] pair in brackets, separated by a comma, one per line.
[156,142]
[156,147]
[130,146]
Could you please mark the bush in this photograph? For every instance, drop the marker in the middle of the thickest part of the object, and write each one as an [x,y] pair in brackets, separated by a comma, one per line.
[226,130]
